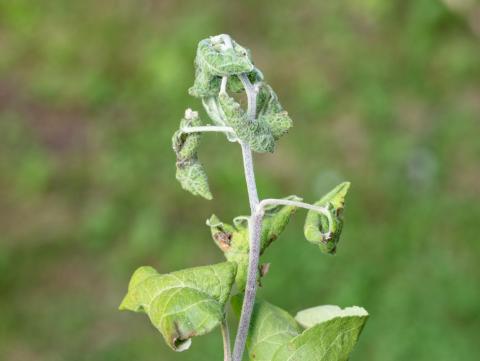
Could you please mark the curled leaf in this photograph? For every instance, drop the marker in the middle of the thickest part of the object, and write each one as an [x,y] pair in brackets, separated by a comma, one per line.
[235,85]
[275,220]
[181,304]
[216,56]
[208,85]
[186,145]
[190,172]
[192,178]
[233,240]
[256,133]
[270,111]
[205,84]
[318,230]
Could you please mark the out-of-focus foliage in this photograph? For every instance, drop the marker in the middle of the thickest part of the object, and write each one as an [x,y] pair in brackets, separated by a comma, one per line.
[385,94]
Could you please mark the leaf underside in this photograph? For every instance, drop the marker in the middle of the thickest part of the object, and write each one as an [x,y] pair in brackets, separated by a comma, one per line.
[181,304]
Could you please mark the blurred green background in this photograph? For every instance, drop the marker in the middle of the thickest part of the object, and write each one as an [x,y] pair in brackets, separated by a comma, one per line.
[385,94]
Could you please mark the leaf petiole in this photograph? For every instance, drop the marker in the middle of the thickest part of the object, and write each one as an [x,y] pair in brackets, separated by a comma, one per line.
[227,352]
[208,128]
[285,202]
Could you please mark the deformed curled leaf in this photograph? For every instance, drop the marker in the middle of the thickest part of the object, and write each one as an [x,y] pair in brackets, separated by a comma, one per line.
[219,57]
[318,230]
[190,172]
[186,145]
[205,84]
[235,85]
[330,333]
[181,304]
[255,133]
[192,178]
[275,220]
[233,240]
[270,111]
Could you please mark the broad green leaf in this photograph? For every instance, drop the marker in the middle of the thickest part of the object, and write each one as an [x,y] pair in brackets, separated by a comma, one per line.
[330,335]
[190,172]
[316,227]
[270,111]
[271,327]
[330,338]
[233,240]
[181,304]
[256,133]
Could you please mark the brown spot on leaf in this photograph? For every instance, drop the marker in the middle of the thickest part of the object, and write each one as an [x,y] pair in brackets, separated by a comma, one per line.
[224,240]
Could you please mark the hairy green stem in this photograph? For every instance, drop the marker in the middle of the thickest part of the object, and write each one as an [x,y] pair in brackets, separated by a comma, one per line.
[255,226]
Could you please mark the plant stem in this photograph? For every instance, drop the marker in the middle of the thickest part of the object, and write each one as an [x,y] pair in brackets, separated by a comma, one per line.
[227,352]
[208,128]
[255,226]
[249,176]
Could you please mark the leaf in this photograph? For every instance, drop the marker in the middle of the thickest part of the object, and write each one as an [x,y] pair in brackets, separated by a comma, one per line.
[256,133]
[190,172]
[216,57]
[275,220]
[186,145]
[208,85]
[215,112]
[316,227]
[271,327]
[205,84]
[315,315]
[270,111]
[193,178]
[274,335]
[332,336]
[181,304]
[233,240]
[235,85]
